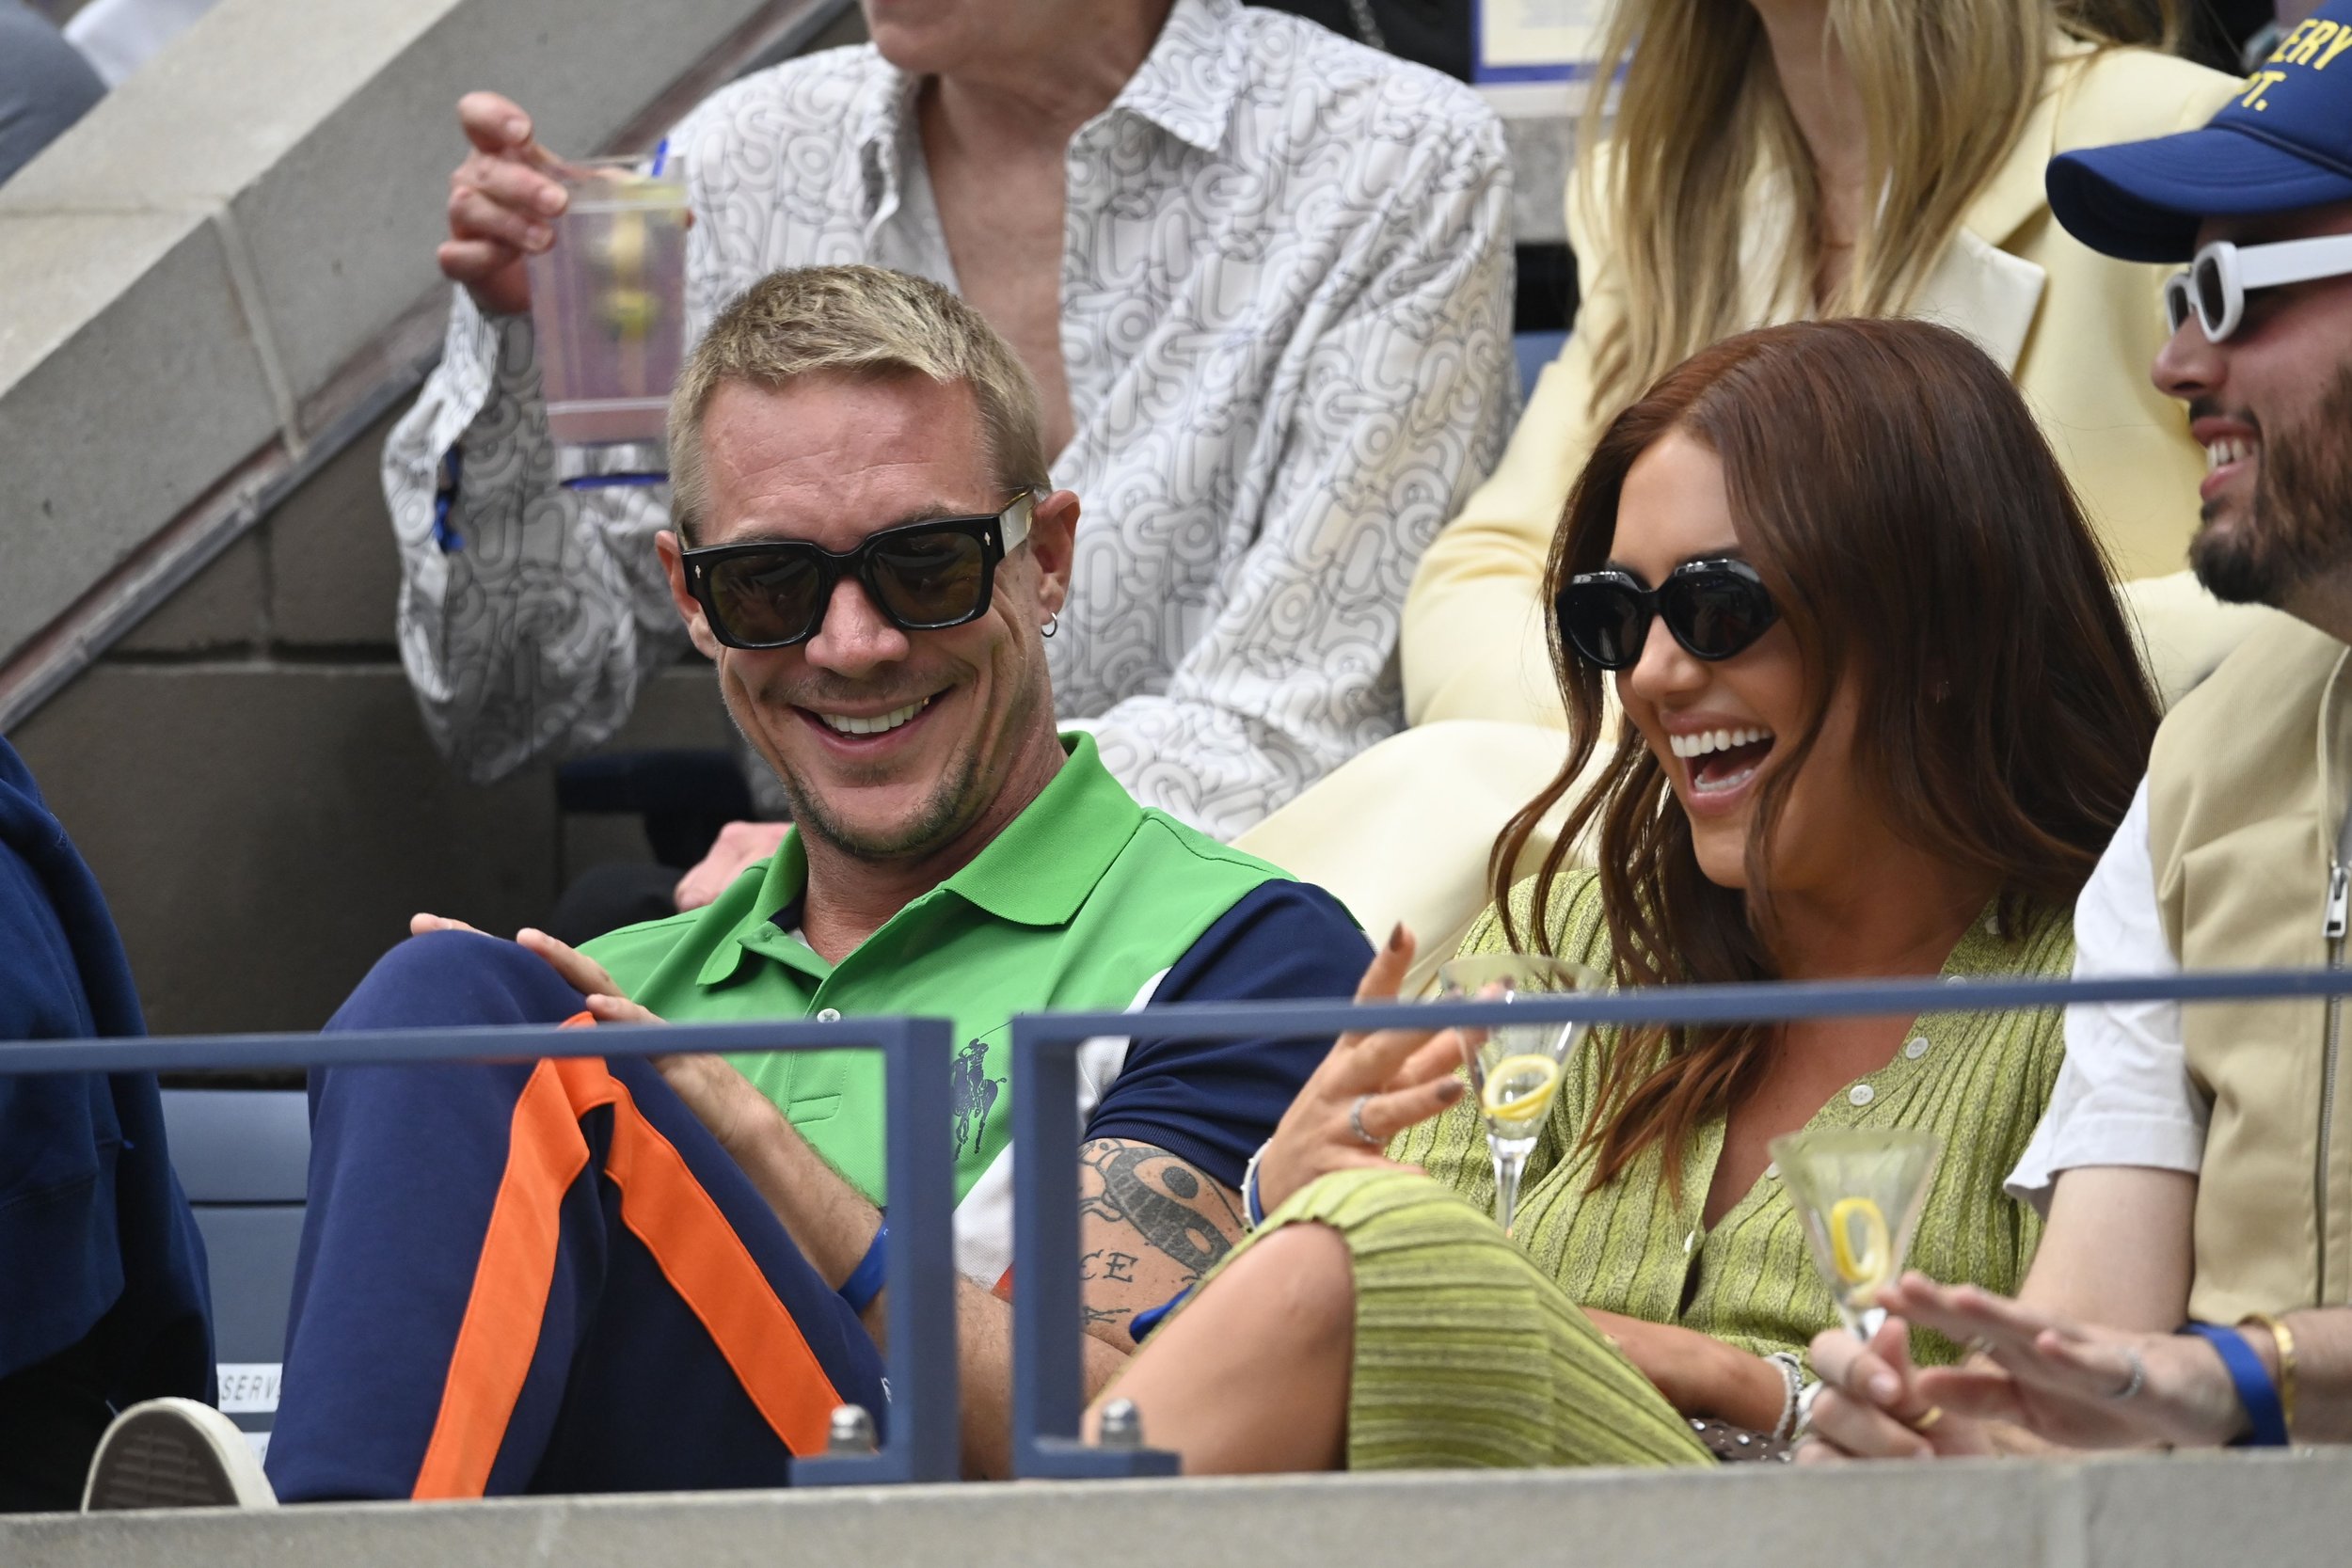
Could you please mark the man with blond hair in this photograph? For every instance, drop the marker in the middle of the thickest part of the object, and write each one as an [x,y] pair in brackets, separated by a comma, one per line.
[624,1274]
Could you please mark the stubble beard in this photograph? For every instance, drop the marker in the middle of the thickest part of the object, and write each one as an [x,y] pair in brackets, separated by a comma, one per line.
[957,798]
[2300,531]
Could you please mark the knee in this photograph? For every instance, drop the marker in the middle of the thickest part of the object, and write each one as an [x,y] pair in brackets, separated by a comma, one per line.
[456,978]
[1311,1274]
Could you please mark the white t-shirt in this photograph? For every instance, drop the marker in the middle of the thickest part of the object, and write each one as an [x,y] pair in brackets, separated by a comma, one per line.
[2123,1096]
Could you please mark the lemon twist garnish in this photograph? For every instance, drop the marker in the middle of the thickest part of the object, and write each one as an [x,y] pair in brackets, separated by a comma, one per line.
[1869,1270]
[1527,1103]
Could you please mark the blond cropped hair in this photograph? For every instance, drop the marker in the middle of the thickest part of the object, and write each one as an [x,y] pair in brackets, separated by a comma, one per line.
[867,323]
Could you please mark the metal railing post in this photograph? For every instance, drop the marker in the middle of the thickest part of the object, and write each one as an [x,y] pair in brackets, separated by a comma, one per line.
[1047,1394]
[923,1438]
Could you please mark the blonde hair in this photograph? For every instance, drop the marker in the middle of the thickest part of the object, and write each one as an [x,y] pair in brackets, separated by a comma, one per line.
[1946,87]
[864,322]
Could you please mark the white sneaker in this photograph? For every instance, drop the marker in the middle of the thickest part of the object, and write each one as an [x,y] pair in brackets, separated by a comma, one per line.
[175,1453]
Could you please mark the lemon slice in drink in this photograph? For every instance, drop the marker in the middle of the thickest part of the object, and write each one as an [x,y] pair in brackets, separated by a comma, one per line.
[1866,1265]
[1519,1087]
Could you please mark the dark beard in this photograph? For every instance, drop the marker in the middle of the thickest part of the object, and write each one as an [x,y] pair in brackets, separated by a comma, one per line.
[2301,527]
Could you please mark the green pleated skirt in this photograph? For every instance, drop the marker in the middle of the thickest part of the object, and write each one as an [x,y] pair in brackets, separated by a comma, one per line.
[1466,1354]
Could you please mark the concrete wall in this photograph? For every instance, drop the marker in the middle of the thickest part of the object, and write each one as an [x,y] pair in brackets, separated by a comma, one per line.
[196,263]
[246,774]
[2277,1510]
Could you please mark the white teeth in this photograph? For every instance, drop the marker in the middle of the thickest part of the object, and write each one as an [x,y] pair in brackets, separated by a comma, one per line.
[2226,451]
[876,725]
[1698,745]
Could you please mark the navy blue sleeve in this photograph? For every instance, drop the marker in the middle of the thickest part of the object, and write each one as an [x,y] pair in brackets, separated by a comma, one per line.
[93,1227]
[1212,1102]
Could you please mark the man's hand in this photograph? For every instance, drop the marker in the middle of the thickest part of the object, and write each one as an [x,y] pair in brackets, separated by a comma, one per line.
[502,205]
[605,998]
[723,1099]
[1400,1076]
[2068,1382]
[737,845]
[1871,1405]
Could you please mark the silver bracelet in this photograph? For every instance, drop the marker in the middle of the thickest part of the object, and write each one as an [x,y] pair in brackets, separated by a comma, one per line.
[1250,1205]
[1805,1397]
[1793,1371]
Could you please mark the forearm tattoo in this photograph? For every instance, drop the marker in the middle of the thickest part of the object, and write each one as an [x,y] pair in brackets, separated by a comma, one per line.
[1175,1209]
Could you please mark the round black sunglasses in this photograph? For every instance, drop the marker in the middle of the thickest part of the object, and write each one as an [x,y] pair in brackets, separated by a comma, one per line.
[1715,607]
[924,576]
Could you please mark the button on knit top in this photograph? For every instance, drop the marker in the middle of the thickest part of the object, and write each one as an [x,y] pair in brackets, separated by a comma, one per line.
[1635,1246]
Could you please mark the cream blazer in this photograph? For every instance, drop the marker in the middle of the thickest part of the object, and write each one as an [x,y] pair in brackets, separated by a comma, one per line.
[2076,329]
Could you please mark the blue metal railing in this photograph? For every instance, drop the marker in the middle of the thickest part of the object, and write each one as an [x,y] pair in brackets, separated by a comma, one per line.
[923,1439]
[1048,1393]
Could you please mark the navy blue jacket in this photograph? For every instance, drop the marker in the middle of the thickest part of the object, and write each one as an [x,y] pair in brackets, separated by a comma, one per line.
[96,1239]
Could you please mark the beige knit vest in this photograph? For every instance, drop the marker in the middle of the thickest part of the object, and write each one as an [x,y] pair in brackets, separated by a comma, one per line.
[2247,790]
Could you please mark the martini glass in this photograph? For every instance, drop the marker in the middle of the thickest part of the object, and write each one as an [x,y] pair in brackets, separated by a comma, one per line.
[1859,1192]
[1514,1070]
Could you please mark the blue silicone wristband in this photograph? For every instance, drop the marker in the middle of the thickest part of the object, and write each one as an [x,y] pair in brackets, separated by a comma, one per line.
[2252,1379]
[866,1281]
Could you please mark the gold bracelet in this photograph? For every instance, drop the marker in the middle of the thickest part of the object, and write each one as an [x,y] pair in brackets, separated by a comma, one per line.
[2285,1338]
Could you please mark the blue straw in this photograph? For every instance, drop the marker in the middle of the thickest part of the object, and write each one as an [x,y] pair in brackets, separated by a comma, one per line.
[661,157]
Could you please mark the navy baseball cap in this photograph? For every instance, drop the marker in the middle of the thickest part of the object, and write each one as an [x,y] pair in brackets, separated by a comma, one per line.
[2283,142]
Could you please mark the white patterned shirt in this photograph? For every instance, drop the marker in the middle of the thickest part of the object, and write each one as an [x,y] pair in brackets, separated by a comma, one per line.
[1285,323]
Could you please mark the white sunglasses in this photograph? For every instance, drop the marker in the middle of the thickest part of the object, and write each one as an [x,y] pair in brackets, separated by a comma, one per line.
[2214,287]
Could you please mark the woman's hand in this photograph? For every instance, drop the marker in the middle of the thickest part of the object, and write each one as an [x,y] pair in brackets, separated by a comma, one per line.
[1400,1076]
[1699,1374]
[1875,1404]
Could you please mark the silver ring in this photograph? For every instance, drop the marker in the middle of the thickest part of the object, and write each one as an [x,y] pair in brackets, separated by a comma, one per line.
[1356,1122]
[2140,1376]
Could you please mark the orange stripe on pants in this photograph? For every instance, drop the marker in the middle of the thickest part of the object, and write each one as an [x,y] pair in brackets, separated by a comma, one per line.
[500,1332]
[680,1224]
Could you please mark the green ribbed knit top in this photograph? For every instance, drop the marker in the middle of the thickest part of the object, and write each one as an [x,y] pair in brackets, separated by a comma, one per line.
[1979,1080]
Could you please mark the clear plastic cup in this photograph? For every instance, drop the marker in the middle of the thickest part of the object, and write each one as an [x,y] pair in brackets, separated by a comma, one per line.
[608,301]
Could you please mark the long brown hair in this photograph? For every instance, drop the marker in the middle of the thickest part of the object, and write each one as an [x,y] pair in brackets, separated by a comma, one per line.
[1926,551]
[1946,86]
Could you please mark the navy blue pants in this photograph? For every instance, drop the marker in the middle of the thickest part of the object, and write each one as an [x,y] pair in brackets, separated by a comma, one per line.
[539,1276]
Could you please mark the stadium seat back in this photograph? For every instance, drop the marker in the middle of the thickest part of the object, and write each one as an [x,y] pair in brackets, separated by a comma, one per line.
[244,1157]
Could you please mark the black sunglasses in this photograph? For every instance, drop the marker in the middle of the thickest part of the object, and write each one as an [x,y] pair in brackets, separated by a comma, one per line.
[1715,608]
[922,576]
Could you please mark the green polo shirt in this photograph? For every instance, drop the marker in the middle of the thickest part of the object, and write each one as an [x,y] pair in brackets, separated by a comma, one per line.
[1081,903]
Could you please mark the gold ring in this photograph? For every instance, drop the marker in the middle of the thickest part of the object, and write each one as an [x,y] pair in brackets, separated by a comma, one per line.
[1935,1414]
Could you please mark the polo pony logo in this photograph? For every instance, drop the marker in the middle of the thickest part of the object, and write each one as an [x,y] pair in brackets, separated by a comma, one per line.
[972,1094]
